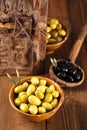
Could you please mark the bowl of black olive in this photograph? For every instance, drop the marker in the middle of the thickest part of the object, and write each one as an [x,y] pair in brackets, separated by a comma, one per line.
[56,35]
[66,73]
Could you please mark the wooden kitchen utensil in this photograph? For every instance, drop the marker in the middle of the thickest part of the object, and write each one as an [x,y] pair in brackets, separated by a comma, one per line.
[72,56]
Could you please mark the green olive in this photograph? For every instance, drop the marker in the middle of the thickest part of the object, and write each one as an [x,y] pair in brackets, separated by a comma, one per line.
[55,94]
[39,94]
[33,109]
[59,38]
[41,110]
[42,82]
[52,40]
[54,33]
[22,93]
[48,90]
[34,100]
[53,25]
[19,89]
[54,103]
[54,20]
[62,32]
[25,85]
[47,105]
[35,80]
[48,29]
[59,26]
[24,98]
[31,89]
[48,97]
[48,36]
[52,87]
[41,88]
[17,101]
[24,107]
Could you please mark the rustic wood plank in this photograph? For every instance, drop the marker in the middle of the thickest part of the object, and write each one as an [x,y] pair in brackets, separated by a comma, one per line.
[74,111]
[83,12]
[74,15]
[56,122]
[75,108]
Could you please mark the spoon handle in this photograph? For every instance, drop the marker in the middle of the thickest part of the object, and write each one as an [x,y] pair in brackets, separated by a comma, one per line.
[76,48]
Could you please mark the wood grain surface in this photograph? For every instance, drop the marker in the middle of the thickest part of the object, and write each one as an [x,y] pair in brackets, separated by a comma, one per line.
[73,114]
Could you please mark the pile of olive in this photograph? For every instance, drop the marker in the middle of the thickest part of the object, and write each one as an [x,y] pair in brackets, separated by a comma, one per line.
[55,31]
[36,96]
[67,71]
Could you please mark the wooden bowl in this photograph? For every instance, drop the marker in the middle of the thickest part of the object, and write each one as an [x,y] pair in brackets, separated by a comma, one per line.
[38,117]
[62,82]
[50,48]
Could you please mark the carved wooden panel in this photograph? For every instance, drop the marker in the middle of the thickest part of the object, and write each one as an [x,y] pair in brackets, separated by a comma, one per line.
[22,35]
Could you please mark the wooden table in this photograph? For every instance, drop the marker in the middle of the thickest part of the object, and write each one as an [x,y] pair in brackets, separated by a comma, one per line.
[73,113]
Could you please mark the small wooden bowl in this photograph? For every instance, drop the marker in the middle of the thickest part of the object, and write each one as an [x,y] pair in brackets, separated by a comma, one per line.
[62,82]
[38,117]
[50,48]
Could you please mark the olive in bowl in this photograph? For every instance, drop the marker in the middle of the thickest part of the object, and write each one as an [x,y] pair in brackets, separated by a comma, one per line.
[66,73]
[56,35]
[37,98]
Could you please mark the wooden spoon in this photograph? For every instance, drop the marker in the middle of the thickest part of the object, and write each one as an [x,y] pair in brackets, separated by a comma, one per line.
[72,56]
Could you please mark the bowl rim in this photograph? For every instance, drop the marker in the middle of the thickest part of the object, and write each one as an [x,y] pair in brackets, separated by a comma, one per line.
[38,115]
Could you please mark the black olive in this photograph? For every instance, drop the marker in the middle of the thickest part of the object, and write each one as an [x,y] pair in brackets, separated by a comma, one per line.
[56,70]
[67,71]
[78,76]
[71,79]
[61,75]
[73,70]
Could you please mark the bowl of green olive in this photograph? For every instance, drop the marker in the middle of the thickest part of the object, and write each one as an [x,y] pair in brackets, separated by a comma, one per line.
[56,35]
[36,98]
